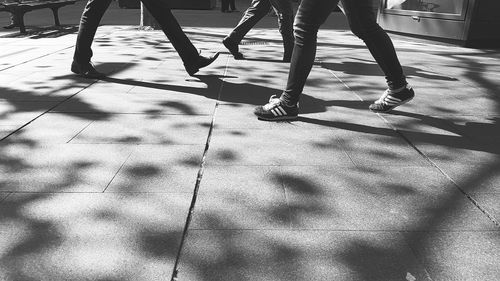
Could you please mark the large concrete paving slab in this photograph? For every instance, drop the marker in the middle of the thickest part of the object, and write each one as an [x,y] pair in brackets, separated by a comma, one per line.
[298,255]
[457,255]
[90,236]
[54,128]
[475,178]
[276,147]
[489,204]
[31,167]
[241,197]
[156,168]
[409,198]
[137,103]
[147,129]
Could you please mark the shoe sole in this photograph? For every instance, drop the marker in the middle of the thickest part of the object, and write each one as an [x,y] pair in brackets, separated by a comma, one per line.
[387,110]
[89,76]
[193,71]
[75,71]
[281,118]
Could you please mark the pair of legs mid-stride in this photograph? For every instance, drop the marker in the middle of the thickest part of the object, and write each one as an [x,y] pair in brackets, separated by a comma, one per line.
[228,6]
[257,10]
[91,17]
[362,20]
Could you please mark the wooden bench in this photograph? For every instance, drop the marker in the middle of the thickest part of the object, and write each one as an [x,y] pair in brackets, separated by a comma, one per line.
[21,7]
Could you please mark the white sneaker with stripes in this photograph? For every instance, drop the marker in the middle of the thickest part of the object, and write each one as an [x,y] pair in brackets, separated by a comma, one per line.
[389,99]
[274,110]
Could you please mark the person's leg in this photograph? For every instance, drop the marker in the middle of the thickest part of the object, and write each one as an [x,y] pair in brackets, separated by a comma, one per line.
[170,26]
[310,16]
[89,21]
[232,5]
[224,5]
[362,18]
[361,15]
[181,43]
[257,10]
[284,12]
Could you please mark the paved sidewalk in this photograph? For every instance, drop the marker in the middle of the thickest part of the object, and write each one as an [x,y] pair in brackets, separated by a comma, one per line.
[98,178]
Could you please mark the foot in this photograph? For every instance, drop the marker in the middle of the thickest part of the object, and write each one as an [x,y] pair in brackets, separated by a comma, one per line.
[232,47]
[390,100]
[275,110]
[200,62]
[86,70]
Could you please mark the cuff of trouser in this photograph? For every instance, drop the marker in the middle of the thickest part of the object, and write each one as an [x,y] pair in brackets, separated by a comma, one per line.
[396,83]
[288,100]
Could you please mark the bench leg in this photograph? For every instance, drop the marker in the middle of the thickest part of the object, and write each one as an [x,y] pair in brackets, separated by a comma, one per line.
[55,11]
[20,21]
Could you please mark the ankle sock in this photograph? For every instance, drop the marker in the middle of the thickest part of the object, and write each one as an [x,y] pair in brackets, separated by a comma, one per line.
[285,103]
[395,91]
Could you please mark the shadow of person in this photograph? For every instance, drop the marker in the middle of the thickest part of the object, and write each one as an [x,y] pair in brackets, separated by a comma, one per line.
[265,60]
[240,93]
[369,68]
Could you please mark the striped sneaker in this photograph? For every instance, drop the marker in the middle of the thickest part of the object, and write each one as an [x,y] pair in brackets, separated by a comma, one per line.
[389,100]
[276,111]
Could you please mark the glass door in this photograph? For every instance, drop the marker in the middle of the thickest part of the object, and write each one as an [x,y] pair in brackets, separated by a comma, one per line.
[444,9]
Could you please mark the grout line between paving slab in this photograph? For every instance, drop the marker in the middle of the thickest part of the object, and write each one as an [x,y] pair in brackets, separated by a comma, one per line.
[83,129]
[119,169]
[8,195]
[420,259]
[198,178]
[433,164]
[471,199]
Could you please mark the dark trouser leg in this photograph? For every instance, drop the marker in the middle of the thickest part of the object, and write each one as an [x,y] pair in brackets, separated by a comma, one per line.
[257,10]
[163,15]
[232,5]
[310,16]
[224,5]
[284,11]
[91,17]
[362,20]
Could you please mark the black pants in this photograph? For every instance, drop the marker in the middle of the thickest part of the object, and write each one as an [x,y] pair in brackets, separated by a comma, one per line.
[92,15]
[227,4]
[259,9]
[361,16]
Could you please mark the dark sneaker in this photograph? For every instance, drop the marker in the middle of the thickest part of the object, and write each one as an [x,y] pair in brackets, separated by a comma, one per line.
[200,62]
[276,111]
[86,70]
[389,100]
[233,48]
